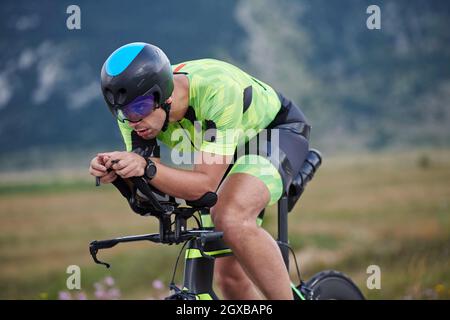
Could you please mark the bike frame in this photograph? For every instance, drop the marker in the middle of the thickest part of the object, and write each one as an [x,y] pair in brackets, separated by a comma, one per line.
[204,245]
[199,268]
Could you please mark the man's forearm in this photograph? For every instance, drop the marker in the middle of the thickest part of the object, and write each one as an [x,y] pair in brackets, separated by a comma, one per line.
[184,184]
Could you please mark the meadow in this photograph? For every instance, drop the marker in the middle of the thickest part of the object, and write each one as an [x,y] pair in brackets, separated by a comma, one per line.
[387,209]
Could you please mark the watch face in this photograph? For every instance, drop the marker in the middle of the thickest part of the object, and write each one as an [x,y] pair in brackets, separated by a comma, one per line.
[150,170]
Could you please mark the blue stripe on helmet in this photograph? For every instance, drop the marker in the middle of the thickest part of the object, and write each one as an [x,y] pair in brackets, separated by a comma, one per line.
[120,59]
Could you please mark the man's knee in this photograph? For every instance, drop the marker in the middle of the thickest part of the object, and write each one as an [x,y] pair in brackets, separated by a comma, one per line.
[234,211]
[234,222]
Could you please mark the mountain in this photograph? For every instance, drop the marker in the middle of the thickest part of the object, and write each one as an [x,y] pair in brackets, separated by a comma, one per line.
[360,88]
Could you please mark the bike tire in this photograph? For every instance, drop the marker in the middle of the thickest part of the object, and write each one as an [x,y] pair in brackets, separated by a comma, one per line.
[333,285]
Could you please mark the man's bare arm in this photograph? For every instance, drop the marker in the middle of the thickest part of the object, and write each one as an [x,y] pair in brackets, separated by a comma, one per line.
[191,185]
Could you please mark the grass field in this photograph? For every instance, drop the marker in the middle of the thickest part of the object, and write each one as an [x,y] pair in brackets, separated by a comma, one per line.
[390,210]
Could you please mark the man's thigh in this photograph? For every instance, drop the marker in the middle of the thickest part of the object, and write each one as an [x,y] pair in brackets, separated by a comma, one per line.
[262,172]
[241,196]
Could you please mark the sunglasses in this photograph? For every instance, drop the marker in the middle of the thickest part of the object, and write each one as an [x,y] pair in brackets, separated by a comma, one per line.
[137,109]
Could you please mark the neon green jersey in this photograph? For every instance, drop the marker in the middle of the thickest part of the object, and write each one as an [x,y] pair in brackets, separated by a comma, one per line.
[228,106]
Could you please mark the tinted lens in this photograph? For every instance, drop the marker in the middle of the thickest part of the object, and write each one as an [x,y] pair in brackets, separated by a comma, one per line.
[138,109]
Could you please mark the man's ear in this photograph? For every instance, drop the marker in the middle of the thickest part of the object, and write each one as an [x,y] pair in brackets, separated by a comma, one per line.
[169,100]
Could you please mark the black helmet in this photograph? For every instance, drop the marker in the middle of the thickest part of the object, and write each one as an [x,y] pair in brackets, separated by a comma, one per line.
[132,72]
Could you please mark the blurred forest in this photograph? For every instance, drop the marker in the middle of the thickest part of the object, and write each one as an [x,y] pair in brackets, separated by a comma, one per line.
[361,89]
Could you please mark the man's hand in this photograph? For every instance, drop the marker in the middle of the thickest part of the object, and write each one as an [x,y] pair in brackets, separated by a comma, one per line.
[128,164]
[98,168]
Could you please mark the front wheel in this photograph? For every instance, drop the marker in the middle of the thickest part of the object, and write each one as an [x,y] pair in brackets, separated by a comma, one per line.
[333,285]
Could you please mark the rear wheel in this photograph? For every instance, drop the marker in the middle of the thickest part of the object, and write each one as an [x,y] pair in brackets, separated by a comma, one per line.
[333,285]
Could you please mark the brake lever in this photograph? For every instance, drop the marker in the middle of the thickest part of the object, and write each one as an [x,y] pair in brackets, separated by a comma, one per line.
[94,250]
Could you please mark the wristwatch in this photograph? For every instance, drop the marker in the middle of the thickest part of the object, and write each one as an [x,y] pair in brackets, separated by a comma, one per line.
[150,169]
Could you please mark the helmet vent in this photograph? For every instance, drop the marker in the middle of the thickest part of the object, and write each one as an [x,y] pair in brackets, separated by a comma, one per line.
[121,95]
[109,96]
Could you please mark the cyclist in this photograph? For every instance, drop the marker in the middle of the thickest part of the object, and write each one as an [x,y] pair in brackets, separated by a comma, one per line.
[153,99]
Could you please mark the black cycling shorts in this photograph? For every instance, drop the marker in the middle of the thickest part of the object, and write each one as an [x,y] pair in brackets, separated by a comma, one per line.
[280,151]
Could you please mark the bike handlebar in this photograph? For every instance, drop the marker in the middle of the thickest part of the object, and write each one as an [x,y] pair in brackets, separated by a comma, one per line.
[204,235]
[143,186]
[163,210]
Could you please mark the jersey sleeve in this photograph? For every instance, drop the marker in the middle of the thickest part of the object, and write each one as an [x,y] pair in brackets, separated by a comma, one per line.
[224,111]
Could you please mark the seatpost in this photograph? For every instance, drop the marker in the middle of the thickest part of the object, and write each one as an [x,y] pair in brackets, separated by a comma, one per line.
[283,229]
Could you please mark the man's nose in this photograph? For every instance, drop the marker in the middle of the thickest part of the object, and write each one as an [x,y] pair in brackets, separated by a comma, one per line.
[134,124]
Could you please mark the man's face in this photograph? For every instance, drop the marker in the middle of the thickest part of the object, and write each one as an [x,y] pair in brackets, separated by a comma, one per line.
[150,126]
